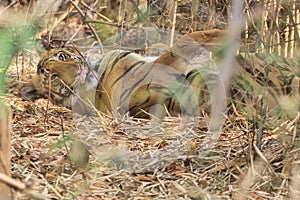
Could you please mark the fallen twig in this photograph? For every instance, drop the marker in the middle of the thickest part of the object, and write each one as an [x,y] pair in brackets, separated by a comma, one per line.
[21,187]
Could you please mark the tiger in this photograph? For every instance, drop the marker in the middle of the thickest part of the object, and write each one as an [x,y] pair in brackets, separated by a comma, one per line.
[267,84]
[178,82]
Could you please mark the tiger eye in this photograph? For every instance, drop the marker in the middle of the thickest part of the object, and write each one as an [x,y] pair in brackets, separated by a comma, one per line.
[45,72]
[61,56]
[54,76]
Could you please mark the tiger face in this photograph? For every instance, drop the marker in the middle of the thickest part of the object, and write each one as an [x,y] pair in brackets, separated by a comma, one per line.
[58,72]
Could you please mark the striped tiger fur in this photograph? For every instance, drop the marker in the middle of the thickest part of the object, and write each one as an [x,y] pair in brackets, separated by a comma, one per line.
[178,82]
[267,81]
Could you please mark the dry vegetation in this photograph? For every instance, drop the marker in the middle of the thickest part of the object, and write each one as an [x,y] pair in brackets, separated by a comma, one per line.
[142,159]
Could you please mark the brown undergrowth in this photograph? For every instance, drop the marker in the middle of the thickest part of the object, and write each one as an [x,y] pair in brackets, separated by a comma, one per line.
[143,159]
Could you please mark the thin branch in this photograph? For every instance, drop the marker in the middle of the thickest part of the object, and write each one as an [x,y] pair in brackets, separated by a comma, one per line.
[63,134]
[21,187]
[7,7]
[59,19]
[89,25]
[99,14]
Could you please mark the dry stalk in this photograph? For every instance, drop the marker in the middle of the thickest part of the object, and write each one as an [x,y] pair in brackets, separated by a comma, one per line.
[21,187]
[75,4]
[51,27]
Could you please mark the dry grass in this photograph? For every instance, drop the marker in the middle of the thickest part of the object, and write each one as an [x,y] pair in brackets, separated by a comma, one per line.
[143,159]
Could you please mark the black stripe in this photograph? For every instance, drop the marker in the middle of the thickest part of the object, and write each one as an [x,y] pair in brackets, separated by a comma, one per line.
[114,62]
[127,71]
[191,75]
[129,90]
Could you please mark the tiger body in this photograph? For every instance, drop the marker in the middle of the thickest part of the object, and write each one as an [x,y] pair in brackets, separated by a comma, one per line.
[178,82]
[121,82]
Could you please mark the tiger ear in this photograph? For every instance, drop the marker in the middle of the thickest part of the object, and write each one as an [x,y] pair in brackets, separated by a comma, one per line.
[29,92]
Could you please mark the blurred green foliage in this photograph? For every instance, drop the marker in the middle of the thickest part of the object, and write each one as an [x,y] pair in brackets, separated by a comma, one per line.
[12,39]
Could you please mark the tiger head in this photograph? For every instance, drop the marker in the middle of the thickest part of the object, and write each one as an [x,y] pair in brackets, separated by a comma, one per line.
[58,72]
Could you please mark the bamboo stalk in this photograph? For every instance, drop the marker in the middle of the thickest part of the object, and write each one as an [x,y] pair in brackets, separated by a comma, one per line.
[212,13]
[291,38]
[195,10]
[264,28]
[286,36]
[297,36]
[277,48]
[5,140]
[173,13]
